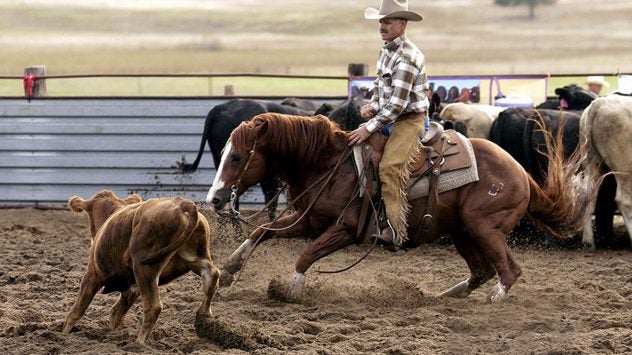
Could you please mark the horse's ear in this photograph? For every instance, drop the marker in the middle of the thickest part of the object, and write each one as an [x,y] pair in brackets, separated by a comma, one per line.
[260,127]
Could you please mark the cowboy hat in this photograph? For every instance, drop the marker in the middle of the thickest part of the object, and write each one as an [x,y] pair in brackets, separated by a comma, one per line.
[391,9]
[597,79]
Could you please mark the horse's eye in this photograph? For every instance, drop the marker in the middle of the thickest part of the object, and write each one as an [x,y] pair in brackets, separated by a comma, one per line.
[235,158]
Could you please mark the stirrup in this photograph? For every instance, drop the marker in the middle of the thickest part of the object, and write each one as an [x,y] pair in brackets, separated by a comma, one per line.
[387,235]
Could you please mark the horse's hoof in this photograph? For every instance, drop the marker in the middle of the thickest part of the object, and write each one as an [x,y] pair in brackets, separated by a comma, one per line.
[281,291]
[226,279]
[294,296]
[497,294]
[459,290]
[588,246]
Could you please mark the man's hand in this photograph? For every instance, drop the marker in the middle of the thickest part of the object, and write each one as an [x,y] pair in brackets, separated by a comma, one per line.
[359,135]
[367,111]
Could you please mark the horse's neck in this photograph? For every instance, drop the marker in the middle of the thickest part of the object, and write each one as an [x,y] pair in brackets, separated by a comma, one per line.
[300,174]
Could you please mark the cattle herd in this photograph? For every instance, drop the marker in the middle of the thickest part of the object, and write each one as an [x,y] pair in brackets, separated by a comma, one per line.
[138,245]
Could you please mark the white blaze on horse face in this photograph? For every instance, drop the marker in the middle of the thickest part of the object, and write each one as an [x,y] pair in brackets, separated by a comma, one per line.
[218,183]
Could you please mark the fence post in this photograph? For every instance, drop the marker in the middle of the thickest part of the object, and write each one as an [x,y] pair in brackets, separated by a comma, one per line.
[34,84]
[358,69]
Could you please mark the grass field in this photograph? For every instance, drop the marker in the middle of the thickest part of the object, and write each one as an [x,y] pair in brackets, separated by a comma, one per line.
[458,37]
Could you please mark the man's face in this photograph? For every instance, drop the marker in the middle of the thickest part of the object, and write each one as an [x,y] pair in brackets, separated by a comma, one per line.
[392,28]
[596,88]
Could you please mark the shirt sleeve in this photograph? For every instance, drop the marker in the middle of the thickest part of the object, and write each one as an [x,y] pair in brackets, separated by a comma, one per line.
[402,82]
[375,98]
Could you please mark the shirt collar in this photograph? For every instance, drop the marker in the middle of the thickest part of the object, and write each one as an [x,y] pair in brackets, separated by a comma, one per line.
[395,44]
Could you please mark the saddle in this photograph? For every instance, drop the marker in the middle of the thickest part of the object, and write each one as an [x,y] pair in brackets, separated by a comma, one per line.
[442,145]
[441,151]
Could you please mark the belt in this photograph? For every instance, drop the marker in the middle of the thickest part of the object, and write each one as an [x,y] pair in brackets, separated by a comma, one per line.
[412,116]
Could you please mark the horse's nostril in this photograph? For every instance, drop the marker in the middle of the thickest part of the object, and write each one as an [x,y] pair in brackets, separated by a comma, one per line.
[215,201]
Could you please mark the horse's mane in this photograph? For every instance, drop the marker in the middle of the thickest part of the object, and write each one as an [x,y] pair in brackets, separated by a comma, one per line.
[305,140]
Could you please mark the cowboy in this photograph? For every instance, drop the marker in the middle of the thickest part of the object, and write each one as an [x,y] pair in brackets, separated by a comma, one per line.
[399,98]
[596,83]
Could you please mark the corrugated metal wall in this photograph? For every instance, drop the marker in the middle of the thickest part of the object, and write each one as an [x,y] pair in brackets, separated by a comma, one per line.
[51,149]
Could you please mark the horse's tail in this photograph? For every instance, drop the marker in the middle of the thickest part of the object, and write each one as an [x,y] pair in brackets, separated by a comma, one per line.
[559,204]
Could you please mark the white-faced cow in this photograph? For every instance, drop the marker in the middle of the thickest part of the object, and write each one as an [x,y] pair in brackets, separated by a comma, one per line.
[139,247]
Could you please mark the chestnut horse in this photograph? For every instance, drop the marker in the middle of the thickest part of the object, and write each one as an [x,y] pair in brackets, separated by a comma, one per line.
[312,156]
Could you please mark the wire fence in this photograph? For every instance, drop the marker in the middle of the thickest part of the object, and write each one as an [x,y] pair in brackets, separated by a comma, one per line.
[39,84]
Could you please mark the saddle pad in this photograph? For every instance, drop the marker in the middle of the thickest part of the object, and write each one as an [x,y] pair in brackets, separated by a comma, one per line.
[450,180]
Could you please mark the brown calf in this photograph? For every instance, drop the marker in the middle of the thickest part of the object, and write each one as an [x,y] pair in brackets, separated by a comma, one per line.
[139,247]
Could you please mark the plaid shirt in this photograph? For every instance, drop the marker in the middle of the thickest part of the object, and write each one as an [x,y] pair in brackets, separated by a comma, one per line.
[400,83]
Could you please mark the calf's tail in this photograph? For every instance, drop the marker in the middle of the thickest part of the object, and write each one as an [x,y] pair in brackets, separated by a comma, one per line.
[188,221]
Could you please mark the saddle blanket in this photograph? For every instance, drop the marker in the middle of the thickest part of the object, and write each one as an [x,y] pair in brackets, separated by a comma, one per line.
[450,180]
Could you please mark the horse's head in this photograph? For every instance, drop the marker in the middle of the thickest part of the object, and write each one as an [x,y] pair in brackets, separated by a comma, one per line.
[241,166]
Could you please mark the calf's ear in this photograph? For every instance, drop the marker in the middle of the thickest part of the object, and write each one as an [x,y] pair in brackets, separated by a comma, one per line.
[77,204]
[133,198]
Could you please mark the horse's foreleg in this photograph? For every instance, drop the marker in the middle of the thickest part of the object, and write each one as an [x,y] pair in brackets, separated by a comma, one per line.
[236,261]
[335,237]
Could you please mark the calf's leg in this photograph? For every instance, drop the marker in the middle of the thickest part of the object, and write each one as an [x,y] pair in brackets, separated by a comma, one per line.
[90,284]
[147,280]
[210,282]
[119,310]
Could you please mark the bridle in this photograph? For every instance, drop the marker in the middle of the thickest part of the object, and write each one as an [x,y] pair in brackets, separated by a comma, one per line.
[234,188]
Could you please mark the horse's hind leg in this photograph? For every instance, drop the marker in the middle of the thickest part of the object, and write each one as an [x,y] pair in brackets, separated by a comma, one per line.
[492,242]
[481,269]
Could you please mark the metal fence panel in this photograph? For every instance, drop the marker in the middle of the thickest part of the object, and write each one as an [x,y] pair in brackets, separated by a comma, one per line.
[51,149]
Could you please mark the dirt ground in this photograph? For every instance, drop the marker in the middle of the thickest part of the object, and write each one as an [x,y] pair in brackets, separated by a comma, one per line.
[567,301]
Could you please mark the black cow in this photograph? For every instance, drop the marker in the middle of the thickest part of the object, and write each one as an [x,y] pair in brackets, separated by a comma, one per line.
[346,114]
[569,97]
[303,104]
[516,132]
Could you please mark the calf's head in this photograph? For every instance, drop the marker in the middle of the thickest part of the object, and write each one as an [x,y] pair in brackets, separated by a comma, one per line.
[100,206]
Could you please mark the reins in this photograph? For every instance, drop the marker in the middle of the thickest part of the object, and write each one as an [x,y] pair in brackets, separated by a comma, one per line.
[327,178]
